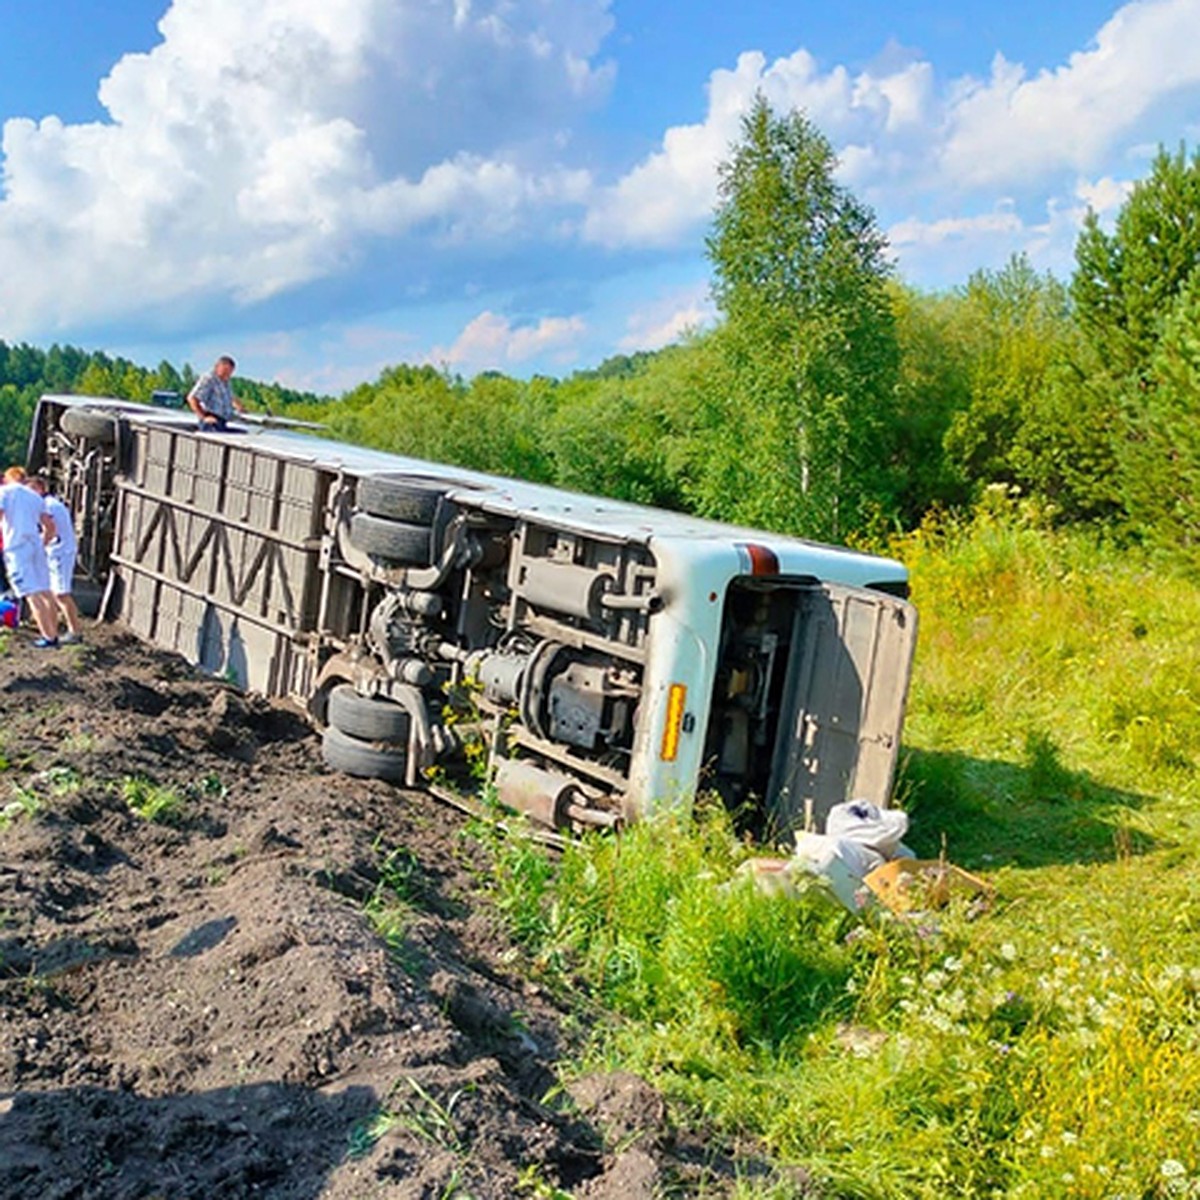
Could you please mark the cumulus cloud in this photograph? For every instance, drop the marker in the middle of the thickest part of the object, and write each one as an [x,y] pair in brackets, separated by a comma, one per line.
[946,250]
[912,232]
[1103,196]
[904,139]
[668,319]
[258,145]
[675,188]
[1013,126]
[492,341]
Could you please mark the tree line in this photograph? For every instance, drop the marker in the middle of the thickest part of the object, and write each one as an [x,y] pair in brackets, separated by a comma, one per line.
[27,373]
[833,400]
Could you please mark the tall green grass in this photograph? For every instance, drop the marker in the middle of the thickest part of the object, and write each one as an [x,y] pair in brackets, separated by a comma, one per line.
[1049,1047]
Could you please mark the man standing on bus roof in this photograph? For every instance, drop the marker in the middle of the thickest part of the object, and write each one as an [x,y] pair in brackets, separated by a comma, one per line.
[212,399]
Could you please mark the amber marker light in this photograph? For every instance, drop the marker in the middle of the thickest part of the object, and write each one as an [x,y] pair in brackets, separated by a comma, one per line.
[676,699]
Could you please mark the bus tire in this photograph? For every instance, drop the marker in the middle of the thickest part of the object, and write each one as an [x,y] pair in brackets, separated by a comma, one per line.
[392,541]
[86,423]
[401,499]
[366,717]
[352,756]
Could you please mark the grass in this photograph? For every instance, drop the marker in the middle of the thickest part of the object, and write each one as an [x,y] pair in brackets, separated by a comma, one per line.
[416,1110]
[1048,1048]
[389,908]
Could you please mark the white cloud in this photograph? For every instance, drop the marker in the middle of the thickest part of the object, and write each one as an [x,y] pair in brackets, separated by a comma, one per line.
[1014,127]
[946,250]
[491,342]
[665,197]
[258,145]
[913,232]
[1104,196]
[668,319]
[904,141]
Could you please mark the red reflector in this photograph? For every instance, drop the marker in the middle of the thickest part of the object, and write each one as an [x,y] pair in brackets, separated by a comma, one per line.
[762,559]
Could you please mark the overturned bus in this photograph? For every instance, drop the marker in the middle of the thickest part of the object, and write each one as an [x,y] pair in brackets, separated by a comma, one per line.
[604,659]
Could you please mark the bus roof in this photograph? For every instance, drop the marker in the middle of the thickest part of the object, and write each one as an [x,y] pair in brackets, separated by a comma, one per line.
[594,515]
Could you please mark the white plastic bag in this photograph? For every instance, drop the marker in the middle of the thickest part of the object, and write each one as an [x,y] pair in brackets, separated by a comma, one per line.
[863,822]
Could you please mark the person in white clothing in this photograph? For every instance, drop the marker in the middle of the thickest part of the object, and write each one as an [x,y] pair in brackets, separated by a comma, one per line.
[60,556]
[23,525]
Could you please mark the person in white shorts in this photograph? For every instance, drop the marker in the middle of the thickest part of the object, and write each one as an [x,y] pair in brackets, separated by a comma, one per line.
[60,556]
[23,524]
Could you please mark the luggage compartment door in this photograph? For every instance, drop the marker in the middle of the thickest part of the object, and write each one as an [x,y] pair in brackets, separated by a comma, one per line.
[842,707]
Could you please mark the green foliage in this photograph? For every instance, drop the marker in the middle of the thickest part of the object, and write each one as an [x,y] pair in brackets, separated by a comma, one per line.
[16,418]
[932,388]
[613,436]
[1126,282]
[30,799]
[491,424]
[520,886]
[151,801]
[1038,414]
[663,932]
[1160,455]
[1135,295]
[390,906]
[25,803]
[416,1109]
[1016,321]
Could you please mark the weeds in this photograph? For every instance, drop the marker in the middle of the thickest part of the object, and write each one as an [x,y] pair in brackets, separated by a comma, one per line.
[419,1112]
[83,742]
[390,906]
[211,787]
[29,800]
[25,803]
[532,1182]
[151,801]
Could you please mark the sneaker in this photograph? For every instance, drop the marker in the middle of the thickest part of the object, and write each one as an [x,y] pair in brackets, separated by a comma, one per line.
[71,639]
[44,643]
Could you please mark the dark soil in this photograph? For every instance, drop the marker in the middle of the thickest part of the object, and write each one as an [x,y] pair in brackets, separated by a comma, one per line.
[203,1008]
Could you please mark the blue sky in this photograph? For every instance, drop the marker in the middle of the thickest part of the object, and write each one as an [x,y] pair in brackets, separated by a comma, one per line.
[323,189]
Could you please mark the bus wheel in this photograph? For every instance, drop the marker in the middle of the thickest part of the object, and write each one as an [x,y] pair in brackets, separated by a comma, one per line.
[352,756]
[393,541]
[399,498]
[366,717]
[84,423]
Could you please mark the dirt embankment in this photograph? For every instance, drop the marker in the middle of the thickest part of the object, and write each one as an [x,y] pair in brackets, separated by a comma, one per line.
[203,1009]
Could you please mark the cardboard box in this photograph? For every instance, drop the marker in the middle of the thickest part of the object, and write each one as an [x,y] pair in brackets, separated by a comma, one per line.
[908,884]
